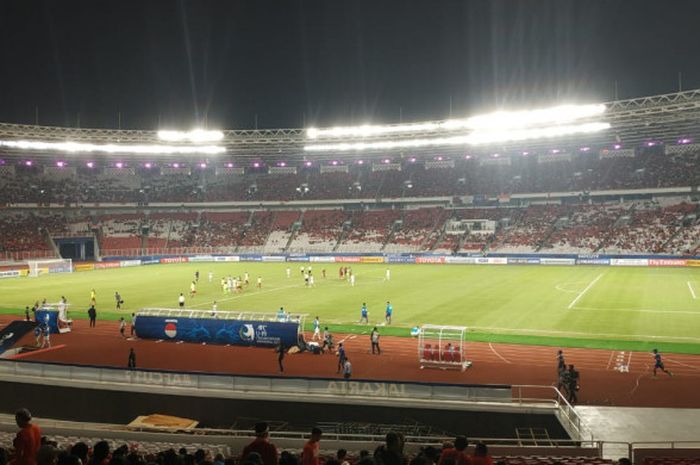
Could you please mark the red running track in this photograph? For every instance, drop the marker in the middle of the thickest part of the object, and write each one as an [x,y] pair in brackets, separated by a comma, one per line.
[607,377]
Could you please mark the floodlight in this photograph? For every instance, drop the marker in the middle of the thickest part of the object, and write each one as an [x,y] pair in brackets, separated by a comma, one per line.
[196,136]
[517,119]
[111,148]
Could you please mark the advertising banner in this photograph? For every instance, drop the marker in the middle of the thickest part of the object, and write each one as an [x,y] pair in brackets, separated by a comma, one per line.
[347,259]
[667,262]
[214,331]
[593,261]
[299,258]
[692,262]
[460,260]
[126,263]
[371,259]
[106,265]
[84,266]
[523,261]
[174,259]
[274,258]
[50,317]
[10,274]
[150,261]
[557,261]
[201,258]
[431,259]
[629,261]
[400,259]
[491,260]
[322,259]
[228,258]
[250,258]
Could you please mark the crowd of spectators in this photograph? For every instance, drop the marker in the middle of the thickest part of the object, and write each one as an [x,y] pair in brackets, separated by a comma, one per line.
[29,447]
[649,168]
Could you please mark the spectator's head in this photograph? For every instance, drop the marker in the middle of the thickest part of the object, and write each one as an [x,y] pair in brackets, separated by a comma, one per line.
[100,451]
[23,417]
[431,453]
[461,442]
[46,455]
[625,460]
[394,441]
[571,367]
[447,445]
[254,459]
[182,451]
[656,351]
[219,458]
[287,458]
[341,454]
[262,430]
[480,450]
[316,434]
[80,450]
[200,456]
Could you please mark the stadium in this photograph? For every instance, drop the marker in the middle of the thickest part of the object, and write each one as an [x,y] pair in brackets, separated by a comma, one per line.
[520,273]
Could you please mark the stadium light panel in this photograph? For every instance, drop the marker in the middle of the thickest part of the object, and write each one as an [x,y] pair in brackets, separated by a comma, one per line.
[60,164]
[482,137]
[90,164]
[197,136]
[80,147]
[119,164]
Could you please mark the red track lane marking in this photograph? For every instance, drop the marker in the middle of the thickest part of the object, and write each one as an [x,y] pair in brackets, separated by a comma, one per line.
[612,354]
[34,352]
[497,354]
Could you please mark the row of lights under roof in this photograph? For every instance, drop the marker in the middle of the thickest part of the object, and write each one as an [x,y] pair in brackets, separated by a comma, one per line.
[203,165]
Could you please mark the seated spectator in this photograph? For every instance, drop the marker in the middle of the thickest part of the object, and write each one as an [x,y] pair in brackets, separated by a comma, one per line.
[481,455]
[47,455]
[80,450]
[391,453]
[456,454]
[100,454]
[341,455]
[261,444]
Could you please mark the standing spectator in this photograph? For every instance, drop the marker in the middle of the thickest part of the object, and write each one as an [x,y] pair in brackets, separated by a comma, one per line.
[342,357]
[374,338]
[347,369]
[392,452]
[132,358]
[456,453]
[28,439]
[572,381]
[310,453]
[561,370]
[262,445]
[481,455]
[92,314]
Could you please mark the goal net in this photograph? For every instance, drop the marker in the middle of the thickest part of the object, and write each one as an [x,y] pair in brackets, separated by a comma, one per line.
[442,347]
[41,267]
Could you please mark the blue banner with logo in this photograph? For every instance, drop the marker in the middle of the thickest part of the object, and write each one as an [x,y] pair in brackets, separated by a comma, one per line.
[48,317]
[214,331]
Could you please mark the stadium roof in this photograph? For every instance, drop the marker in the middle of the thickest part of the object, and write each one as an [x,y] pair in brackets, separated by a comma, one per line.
[661,119]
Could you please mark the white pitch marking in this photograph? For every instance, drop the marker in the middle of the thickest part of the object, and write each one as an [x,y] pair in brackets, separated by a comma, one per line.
[692,292]
[497,354]
[583,292]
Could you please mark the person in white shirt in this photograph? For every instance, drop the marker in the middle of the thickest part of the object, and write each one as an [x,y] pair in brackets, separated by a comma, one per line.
[211,276]
[352,280]
[289,272]
[347,369]
[181,300]
[387,275]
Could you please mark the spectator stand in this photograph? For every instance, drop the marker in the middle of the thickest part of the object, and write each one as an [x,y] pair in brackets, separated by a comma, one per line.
[442,347]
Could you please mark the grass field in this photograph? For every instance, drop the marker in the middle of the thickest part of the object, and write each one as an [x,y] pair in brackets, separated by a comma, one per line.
[619,308]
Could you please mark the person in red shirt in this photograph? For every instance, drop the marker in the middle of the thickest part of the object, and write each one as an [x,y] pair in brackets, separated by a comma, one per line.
[457,453]
[481,455]
[310,454]
[262,445]
[28,439]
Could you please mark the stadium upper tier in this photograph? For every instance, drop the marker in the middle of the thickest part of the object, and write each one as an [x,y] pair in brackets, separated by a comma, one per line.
[661,119]
[43,182]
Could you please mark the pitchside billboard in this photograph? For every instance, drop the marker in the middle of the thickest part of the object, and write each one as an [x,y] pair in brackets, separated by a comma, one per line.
[216,331]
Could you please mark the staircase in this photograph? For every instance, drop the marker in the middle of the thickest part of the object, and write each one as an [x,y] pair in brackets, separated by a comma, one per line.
[533,437]
[347,226]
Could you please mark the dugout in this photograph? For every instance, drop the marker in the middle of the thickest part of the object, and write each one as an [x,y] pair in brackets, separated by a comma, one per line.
[220,327]
[442,347]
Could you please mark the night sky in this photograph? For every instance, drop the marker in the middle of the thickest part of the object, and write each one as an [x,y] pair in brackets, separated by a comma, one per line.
[297,63]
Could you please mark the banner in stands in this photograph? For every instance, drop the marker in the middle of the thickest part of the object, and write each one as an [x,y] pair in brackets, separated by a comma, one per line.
[174,259]
[557,261]
[105,265]
[593,261]
[214,331]
[667,262]
[10,274]
[371,259]
[126,263]
[629,261]
[523,261]
[274,258]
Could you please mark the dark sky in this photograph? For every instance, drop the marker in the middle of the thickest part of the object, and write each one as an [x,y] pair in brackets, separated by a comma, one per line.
[329,62]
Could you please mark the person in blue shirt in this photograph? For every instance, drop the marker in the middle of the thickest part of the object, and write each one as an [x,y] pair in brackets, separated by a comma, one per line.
[281,316]
[342,357]
[658,364]
[364,314]
[389,311]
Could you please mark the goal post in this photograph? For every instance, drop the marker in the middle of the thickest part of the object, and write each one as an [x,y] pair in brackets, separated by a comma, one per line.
[56,265]
[441,346]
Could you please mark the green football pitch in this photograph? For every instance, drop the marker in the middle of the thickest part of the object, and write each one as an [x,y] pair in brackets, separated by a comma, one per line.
[619,308]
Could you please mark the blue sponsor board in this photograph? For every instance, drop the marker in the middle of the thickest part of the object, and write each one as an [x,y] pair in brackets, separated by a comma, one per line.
[298,258]
[523,261]
[48,317]
[214,331]
[593,261]
[251,258]
[400,259]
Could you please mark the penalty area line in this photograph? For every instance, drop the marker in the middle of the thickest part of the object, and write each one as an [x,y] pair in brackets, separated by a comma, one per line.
[692,292]
[583,292]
